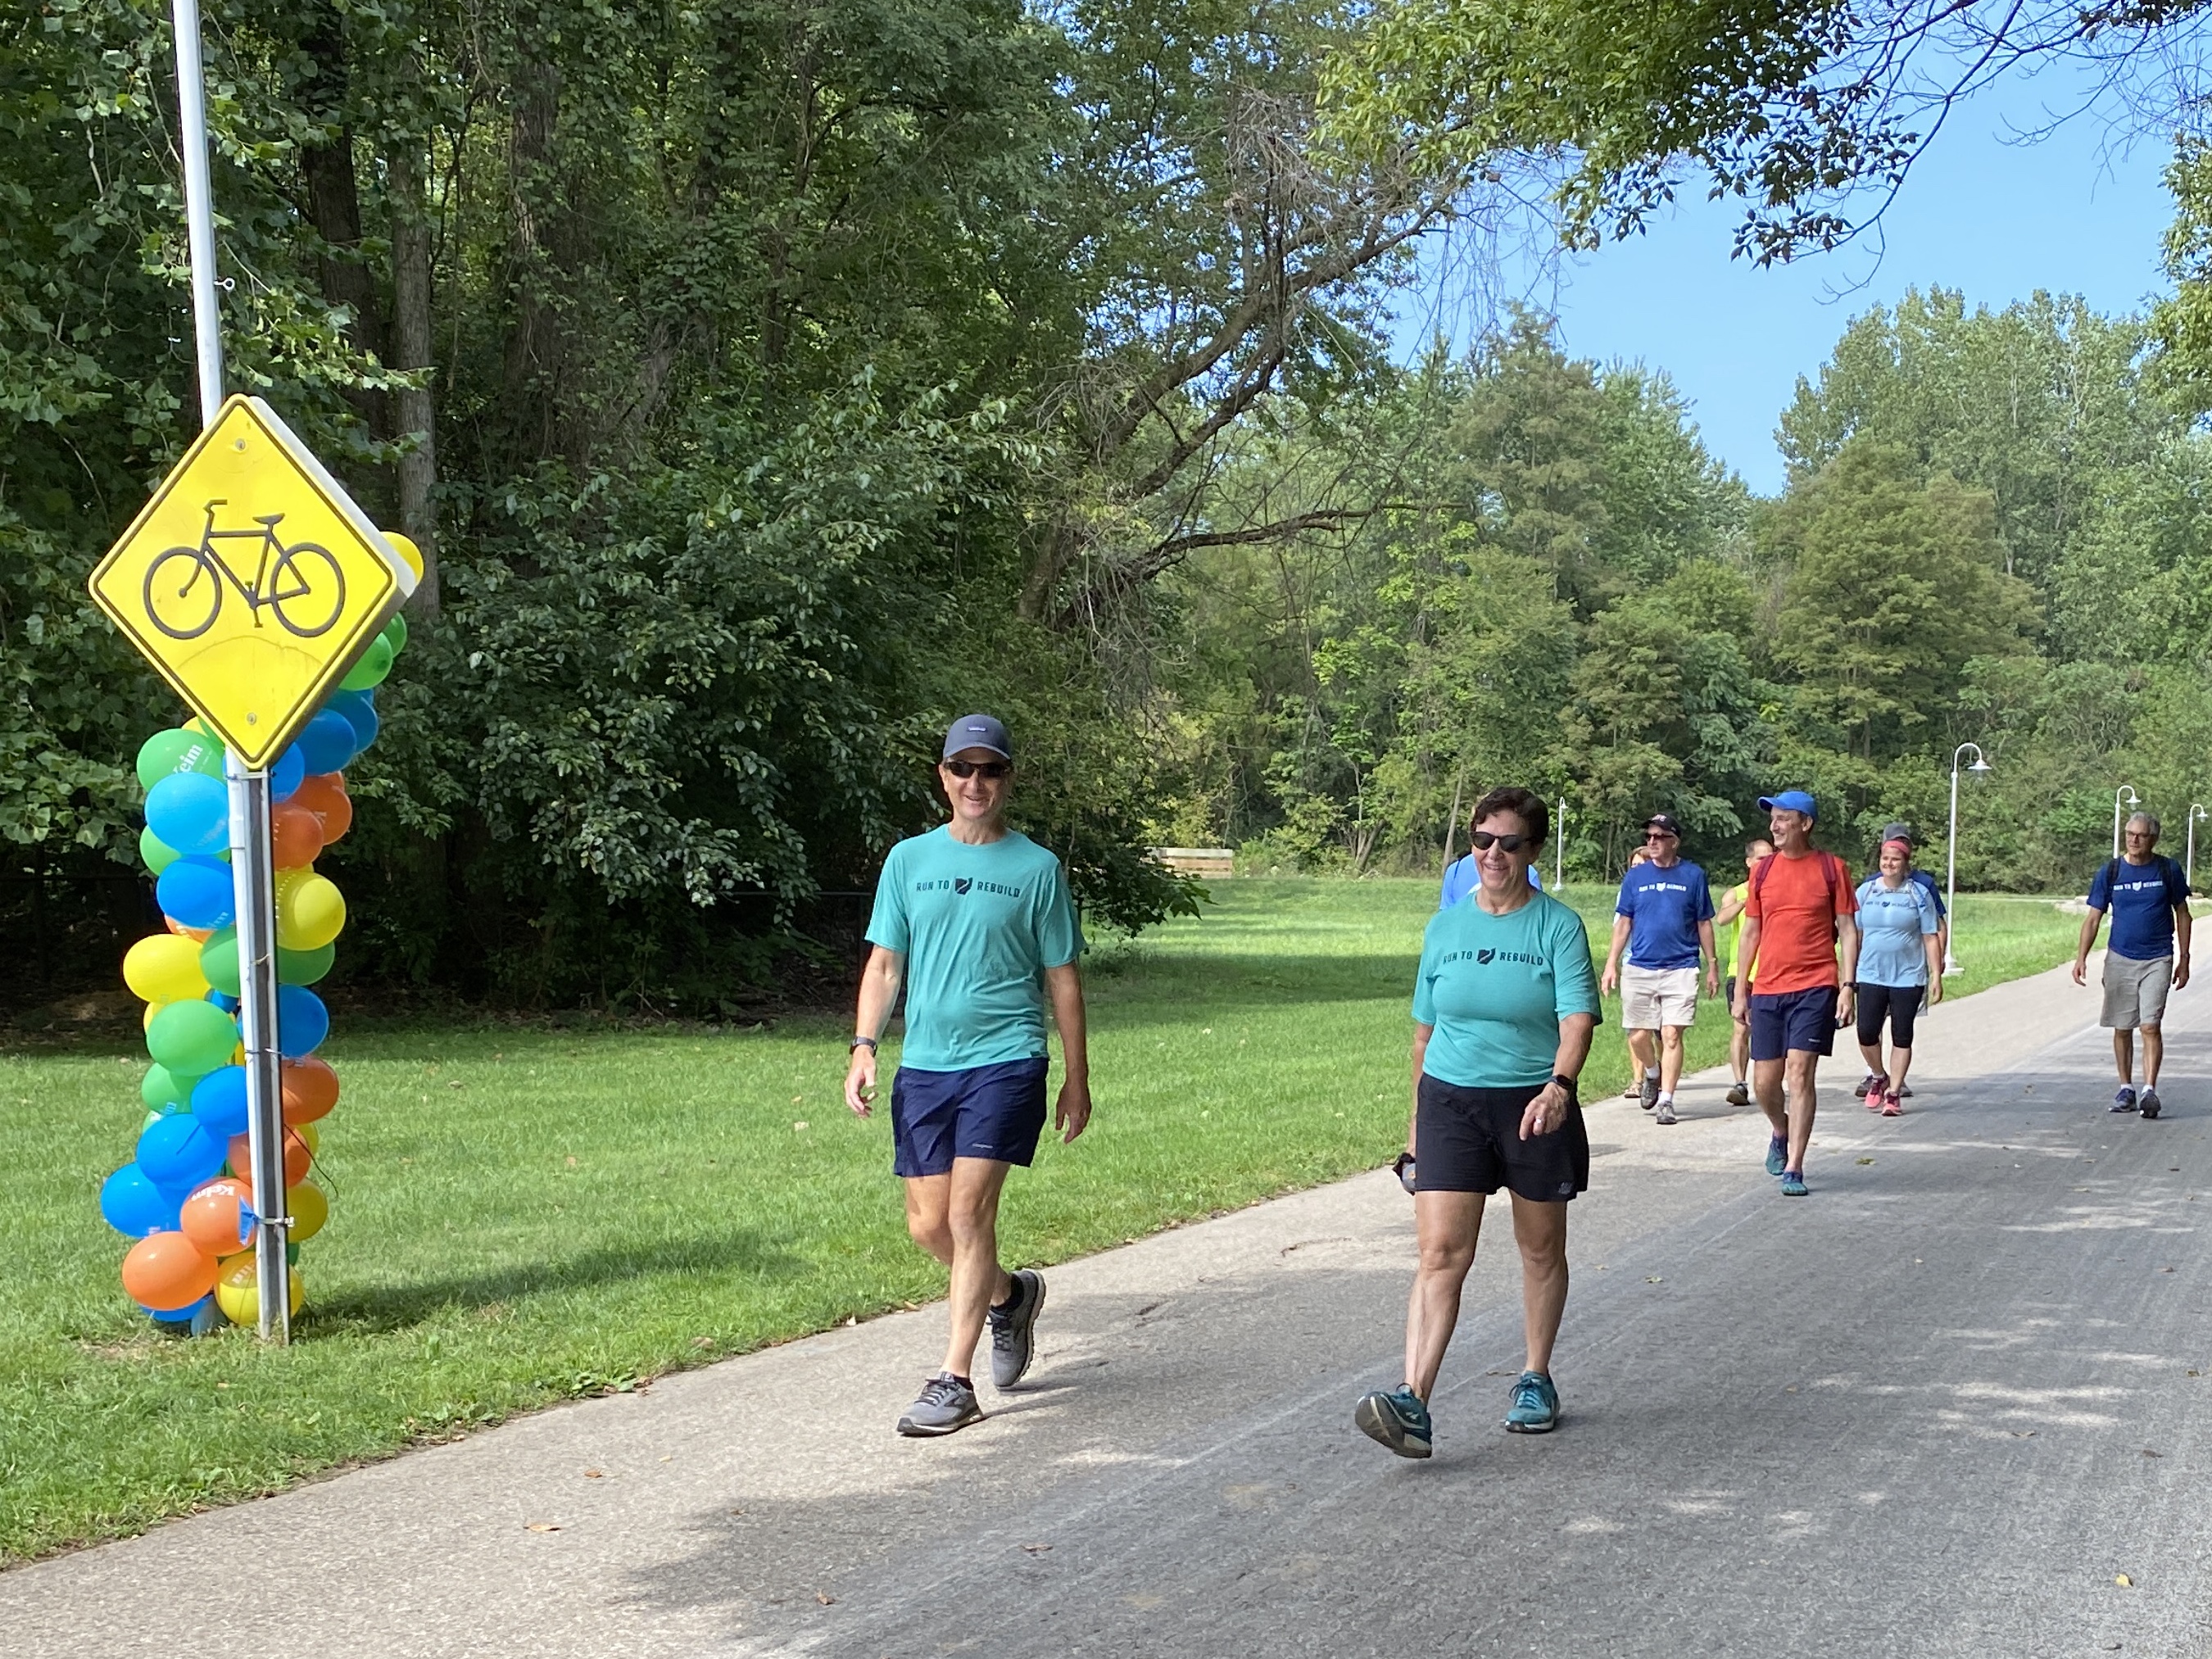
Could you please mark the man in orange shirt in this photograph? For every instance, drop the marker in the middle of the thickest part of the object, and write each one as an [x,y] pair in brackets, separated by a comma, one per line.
[1799,911]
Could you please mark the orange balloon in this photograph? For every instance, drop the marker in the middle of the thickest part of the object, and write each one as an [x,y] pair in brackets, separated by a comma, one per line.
[212,1218]
[203,934]
[310,1089]
[297,1157]
[167,1271]
[325,795]
[295,836]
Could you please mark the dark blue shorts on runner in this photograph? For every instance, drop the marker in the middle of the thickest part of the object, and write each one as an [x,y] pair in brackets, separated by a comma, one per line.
[1468,1141]
[982,1111]
[1802,1021]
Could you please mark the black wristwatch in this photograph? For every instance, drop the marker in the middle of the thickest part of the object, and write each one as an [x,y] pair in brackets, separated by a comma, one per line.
[1563,1081]
[869,1043]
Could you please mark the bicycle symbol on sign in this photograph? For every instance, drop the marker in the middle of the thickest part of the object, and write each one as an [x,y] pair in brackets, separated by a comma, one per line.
[301,582]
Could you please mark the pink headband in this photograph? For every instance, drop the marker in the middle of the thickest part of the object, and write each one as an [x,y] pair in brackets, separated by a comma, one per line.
[1905,847]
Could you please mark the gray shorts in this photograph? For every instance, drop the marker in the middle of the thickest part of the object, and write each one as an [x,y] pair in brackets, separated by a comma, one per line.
[2134,992]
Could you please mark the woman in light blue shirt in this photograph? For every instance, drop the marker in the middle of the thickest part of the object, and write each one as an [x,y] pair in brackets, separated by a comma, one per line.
[1505,1004]
[1900,966]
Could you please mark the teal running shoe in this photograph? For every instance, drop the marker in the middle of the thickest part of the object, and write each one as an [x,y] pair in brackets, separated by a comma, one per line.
[1793,1184]
[1535,1404]
[1398,1420]
[1778,1154]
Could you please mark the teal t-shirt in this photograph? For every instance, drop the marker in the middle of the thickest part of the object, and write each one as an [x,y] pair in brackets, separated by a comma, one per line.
[977,927]
[1496,988]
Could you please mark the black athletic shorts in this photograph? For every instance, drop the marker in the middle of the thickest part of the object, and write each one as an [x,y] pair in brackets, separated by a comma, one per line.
[1898,1004]
[1468,1141]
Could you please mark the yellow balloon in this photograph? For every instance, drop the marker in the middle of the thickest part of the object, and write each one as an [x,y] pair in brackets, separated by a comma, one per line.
[407,550]
[146,1019]
[310,1209]
[308,1133]
[311,912]
[237,1290]
[165,967]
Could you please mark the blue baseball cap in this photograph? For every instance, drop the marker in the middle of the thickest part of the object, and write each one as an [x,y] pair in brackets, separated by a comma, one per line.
[1790,800]
[978,732]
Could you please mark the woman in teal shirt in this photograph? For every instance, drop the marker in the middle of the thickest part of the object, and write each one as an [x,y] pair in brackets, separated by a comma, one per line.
[1504,1006]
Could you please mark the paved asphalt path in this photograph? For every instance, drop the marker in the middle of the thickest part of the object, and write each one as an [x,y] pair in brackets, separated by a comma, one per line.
[1936,1408]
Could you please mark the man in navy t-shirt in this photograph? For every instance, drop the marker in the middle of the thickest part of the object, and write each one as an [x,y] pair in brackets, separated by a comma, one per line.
[1664,919]
[2148,896]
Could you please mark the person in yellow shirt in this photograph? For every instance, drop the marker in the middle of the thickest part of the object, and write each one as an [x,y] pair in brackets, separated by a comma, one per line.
[1727,922]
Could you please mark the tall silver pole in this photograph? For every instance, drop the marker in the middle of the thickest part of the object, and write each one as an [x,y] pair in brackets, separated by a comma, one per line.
[1559,848]
[255,883]
[253,880]
[2126,791]
[199,206]
[1951,870]
[2188,865]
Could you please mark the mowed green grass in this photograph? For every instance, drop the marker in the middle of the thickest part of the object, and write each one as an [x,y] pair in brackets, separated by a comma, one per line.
[524,1214]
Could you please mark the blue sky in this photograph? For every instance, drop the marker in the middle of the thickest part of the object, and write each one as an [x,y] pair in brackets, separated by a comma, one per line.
[2077,211]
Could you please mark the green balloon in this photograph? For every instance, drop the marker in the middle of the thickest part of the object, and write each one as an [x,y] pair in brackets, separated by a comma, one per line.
[396,631]
[291,1255]
[158,854]
[303,966]
[164,1091]
[219,960]
[375,663]
[180,749]
[192,1038]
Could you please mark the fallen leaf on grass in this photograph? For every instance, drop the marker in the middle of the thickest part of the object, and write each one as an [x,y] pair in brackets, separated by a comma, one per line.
[543,1526]
[801,1124]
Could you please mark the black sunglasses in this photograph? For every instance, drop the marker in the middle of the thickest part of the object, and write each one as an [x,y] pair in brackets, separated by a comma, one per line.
[993,769]
[1484,841]
[1661,835]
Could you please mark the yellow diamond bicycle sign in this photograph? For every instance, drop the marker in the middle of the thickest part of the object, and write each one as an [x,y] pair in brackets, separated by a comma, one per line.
[252,580]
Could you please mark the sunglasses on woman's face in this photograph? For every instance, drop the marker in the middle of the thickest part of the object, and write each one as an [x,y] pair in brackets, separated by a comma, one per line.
[992,770]
[1484,841]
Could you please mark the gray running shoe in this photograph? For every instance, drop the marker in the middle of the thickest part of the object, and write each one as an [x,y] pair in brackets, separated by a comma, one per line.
[1648,1093]
[1665,1112]
[2147,1103]
[1864,1084]
[942,1407]
[2124,1101]
[1740,1095]
[1012,1349]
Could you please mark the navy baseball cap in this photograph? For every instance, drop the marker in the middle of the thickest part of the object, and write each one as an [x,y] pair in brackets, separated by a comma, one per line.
[978,732]
[1790,800]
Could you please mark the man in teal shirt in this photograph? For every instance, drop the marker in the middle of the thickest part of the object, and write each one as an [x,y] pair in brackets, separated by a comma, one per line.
[975,920]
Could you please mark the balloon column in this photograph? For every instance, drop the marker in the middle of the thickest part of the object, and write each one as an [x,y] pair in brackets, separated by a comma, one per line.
[187,1196]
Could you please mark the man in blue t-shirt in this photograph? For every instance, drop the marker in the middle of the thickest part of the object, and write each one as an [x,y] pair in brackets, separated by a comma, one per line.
[1664,920]
[975,918]
[1462,879]
[2148,896]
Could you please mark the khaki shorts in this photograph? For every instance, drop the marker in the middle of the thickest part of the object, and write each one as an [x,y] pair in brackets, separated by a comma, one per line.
[1653,997]
[2134,992]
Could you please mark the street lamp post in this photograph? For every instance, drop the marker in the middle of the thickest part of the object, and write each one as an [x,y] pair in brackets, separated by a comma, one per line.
[2189,863]
[1559,846]
[2124,794]
[1951,852]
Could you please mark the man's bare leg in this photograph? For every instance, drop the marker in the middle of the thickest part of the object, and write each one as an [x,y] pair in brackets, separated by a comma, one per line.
[2154,1054]
[1766,1089]
[1801,1067]
[2124,1057]
[1670,1058]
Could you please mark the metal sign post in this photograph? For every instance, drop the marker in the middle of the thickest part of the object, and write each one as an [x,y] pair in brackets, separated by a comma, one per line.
[251,872]
[1559,848]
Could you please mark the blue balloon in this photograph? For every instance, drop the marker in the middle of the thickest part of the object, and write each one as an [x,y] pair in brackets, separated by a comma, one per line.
[219,1102]
[177,1152]
[190,812]
[286,777]
[224,1001]
[197,892]
[131,1203]
[303,1021]
[359,708]
[179,1316]
[328,742]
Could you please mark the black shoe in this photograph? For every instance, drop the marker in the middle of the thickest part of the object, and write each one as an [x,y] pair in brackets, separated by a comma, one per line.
[943,1407]
[1011,1325]
[2146,1102]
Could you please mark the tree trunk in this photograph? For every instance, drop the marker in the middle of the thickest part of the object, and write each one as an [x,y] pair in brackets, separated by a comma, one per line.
[532,369]
[414,413]
[327,168]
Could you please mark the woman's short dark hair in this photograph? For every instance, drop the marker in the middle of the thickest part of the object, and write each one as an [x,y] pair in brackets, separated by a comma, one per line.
[1525,803]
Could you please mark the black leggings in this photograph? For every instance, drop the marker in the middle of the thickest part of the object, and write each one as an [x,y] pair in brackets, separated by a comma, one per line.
[1898,1004]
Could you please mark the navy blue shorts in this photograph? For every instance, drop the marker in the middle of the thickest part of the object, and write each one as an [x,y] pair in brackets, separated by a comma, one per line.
[1800,1021]
[983,1111]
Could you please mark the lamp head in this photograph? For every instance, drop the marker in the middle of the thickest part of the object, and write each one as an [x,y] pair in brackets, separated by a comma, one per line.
[1979,765]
